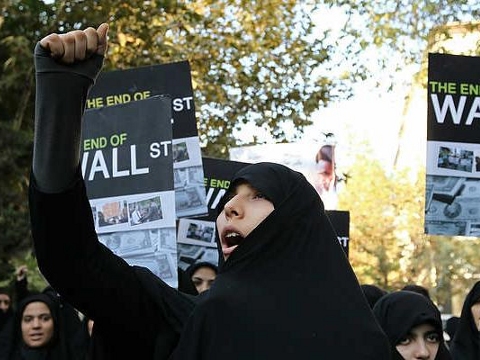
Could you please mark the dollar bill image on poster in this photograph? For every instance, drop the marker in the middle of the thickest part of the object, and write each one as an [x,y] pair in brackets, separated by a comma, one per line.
[452,196]
[128,170]
[124,86]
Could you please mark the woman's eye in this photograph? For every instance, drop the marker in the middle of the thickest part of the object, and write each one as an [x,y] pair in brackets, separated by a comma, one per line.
[404,341]
[433,338]
[259,196]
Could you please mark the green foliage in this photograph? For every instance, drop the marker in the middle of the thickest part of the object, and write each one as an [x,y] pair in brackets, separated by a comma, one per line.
[388,246]
[252,62]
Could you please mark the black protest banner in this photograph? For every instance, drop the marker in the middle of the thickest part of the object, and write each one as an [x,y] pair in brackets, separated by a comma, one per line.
[340,220]
[173,79]
[128,170]
[453,150]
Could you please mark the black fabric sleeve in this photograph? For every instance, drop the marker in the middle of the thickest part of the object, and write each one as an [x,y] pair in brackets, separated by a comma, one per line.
[21,289]
[135,313]
[61,93]
[86,273]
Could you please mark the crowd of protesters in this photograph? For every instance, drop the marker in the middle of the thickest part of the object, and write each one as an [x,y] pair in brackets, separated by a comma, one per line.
[283,287]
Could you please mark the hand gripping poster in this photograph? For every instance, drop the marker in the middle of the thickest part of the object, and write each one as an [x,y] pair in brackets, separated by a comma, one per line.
[128,170]
[452,196]
[173,79]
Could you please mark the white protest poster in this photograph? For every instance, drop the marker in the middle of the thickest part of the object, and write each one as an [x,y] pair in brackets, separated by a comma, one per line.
[452,196]
[128,170]
[315,160]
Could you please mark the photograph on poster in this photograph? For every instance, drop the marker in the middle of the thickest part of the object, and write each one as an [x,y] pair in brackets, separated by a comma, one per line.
[188,178]
[189,254]
[146,210]
[188,200]
[455,158]
[196,232]
[180,152]
[112,213]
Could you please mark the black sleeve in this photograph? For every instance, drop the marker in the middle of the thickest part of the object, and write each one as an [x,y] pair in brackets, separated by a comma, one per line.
[86,273]
[21,289]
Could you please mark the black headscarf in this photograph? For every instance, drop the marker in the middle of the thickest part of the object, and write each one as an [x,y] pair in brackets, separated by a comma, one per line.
[56,349]
[451,326]
[372,293]
[398,312]
[5,316]
[185,283]
[465,344]
[287,291]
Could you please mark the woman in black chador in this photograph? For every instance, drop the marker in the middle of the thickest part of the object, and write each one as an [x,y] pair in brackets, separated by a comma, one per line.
[413,325]
[466,341]
[36,332]
[284,290]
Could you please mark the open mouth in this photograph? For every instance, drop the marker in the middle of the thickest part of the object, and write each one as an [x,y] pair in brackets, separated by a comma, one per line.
[232,239]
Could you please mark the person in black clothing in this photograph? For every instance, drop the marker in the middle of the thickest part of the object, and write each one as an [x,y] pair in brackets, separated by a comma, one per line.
[6,309]
[451,326]
[35,332]
[372,293]
[413,325]
[466,341]
[202,274]
[418,289]
[271,230]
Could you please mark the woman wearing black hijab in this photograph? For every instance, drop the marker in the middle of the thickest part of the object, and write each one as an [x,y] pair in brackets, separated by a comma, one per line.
[372,293]
[202,274]
[6,308]
[285,289]
[36,332]
[413,325]
[466,343]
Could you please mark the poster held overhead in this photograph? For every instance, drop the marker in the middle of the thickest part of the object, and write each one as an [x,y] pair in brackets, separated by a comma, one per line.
[452,197]
[128,174]
[172,79]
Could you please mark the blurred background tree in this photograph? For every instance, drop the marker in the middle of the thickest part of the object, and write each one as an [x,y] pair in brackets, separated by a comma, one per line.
[266,63]
[388,246]
[250,62]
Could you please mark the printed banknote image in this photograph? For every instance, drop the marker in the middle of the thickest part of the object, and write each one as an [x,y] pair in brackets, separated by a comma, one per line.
[452,205]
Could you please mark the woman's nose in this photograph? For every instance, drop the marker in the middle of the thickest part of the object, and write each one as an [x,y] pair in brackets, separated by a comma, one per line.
[422,351]
[232,207]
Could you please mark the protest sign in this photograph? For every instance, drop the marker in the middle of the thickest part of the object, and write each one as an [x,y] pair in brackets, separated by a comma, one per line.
[452,196]
[128,174]
[173,79]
